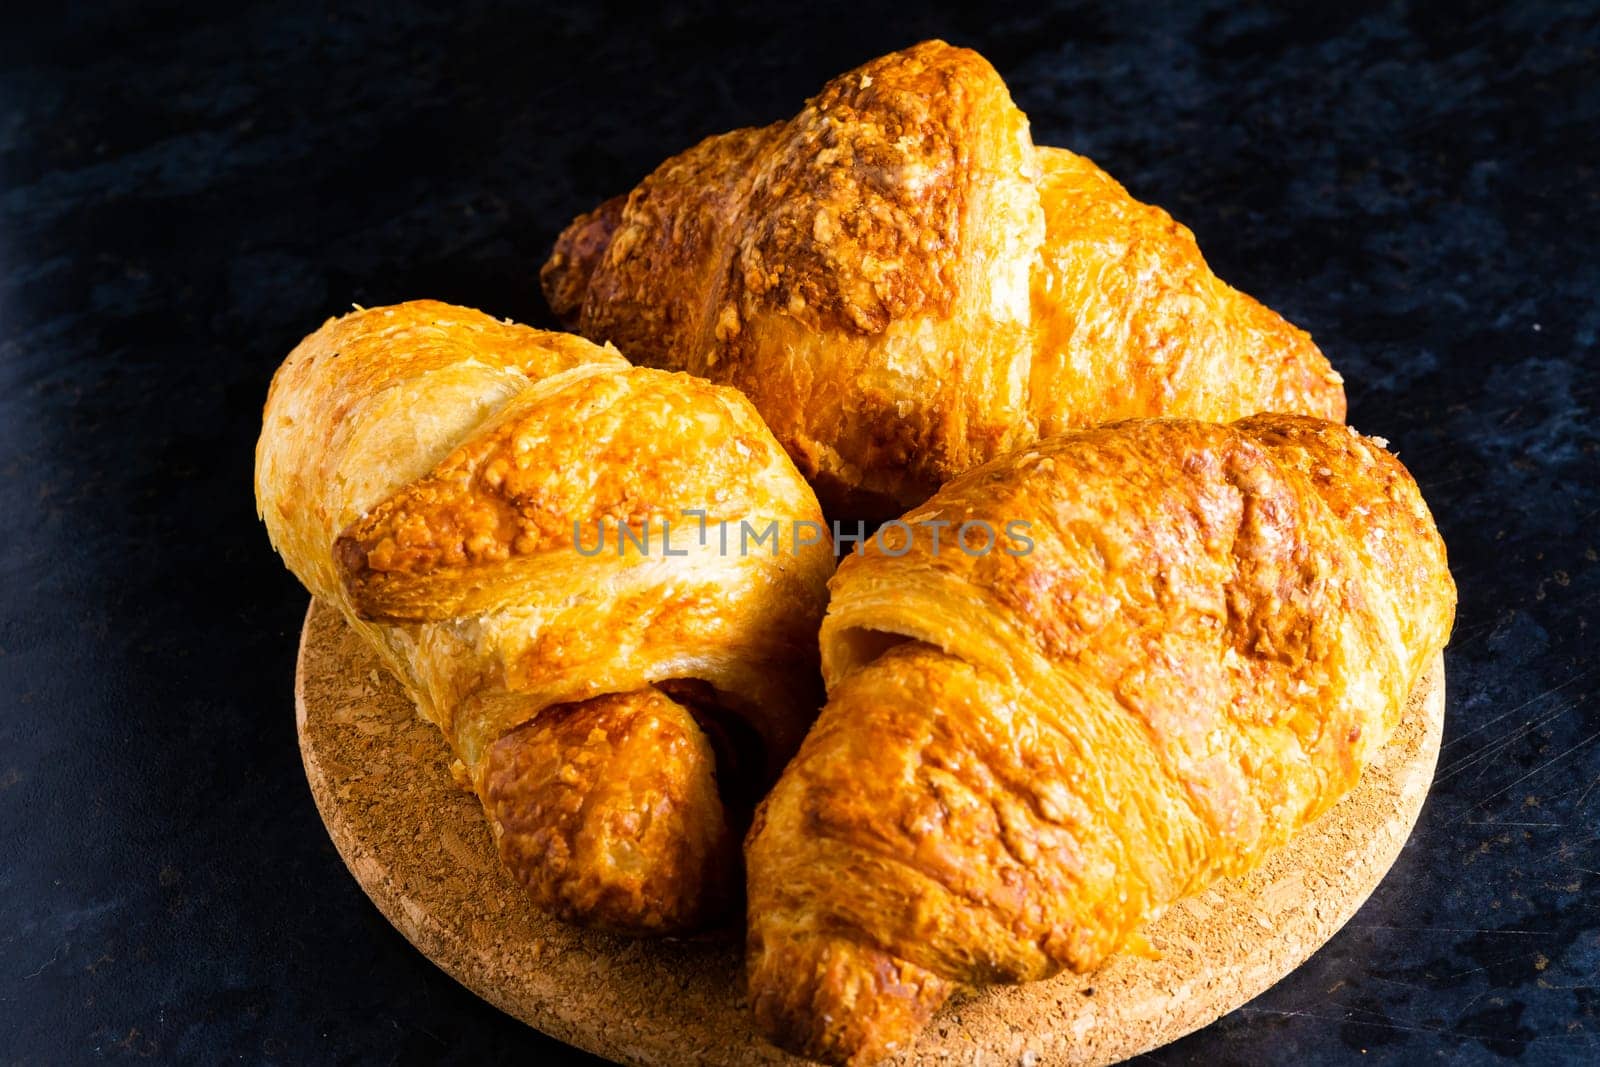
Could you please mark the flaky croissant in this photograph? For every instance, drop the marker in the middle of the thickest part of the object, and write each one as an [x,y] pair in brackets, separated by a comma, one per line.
[906,286]
[1027,754]
[422,467]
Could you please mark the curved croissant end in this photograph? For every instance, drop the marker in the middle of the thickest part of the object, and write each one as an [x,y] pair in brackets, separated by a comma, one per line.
[1026,754]
[578,251]
[434,473]
[607,811]
[906,286]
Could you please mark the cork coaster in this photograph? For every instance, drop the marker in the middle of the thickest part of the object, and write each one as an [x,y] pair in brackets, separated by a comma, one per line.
[420,847]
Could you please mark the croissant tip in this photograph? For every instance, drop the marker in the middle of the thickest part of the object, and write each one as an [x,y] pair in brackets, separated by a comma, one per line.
[837,1001]
[565,275]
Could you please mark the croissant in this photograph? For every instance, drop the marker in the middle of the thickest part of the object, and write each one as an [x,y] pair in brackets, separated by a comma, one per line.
[1183,642]
[422,467]
[906,286]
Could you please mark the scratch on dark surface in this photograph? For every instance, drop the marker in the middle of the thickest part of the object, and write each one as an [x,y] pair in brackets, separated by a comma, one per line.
[1466,636]
[1546,765]
[1397,982]
[1507,714]
[1453,930]
[1439,483]
[46,965]
[1586,792]
[1356,1016]
[1502,744]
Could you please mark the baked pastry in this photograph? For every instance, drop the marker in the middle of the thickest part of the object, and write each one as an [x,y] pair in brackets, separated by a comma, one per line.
[906,286]
[1191,649]
[457,487]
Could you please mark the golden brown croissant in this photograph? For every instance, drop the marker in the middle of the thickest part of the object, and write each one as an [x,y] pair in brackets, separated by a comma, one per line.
[1026,755]
[906,286]
[456,485]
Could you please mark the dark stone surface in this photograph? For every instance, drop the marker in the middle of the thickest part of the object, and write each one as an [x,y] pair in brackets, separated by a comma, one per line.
[183,195]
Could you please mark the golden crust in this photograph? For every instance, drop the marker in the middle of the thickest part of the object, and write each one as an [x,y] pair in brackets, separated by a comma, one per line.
[373,400]
[607,811]
[821,266]
[818,996]
[906,287]
[1129,322]
[678,225]
[857,214]
[422,467]
[513,494]
[1026,756]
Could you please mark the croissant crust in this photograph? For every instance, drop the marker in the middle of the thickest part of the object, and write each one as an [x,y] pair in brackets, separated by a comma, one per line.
[906,286]
[1026,755]
[456,486]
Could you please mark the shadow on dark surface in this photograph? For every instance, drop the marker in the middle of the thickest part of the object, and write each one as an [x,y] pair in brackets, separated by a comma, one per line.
[183,196]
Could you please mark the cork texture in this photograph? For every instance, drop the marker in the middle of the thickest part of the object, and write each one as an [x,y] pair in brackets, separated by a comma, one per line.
[420,847]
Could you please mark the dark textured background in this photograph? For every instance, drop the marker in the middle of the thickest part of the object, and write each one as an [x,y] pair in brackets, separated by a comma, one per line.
[183,196]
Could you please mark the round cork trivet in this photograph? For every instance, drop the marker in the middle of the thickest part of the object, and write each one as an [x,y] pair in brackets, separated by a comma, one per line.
[420,847]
